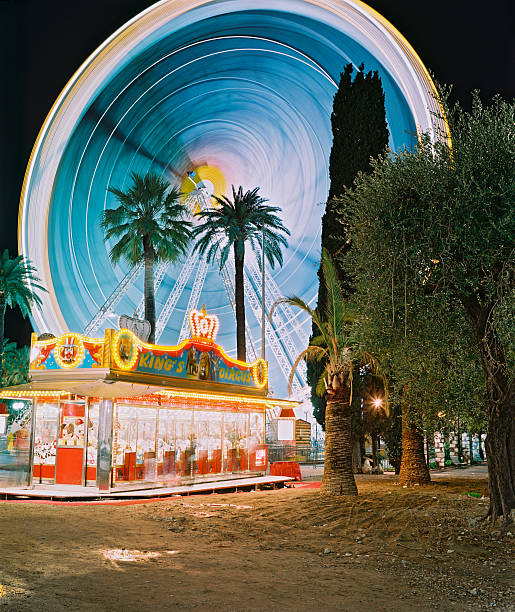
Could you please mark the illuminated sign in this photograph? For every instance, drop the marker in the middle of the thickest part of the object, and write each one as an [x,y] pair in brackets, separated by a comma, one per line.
[194,359]
[197,358]
[66,352]
[203,325]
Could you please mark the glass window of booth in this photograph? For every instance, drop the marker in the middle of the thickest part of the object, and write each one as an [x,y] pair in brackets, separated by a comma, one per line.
[45,439]
[134,442]
[16,422]
[183,441]
[92,444]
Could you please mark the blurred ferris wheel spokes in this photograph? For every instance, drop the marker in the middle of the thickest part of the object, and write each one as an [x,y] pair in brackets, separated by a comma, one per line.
[284,339]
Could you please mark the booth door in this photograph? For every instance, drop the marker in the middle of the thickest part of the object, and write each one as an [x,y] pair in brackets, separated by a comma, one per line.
[69,463]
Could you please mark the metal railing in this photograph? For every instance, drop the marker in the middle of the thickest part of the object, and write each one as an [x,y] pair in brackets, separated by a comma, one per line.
[310,454]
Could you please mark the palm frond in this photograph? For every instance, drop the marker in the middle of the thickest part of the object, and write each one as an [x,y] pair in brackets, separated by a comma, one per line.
[149,209]
[293,369]
[321,385]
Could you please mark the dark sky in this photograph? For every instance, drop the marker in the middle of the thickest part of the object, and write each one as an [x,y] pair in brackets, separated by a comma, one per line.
[43,42]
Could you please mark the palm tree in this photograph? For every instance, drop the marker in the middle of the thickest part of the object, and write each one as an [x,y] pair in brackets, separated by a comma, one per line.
[332,348]
[18,287]
[232,225]
[15,363]
[150,225]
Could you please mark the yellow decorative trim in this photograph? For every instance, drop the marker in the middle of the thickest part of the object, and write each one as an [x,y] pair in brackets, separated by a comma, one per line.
[10,394]
[159,347]
[260,373]
[124,362]
[218,397]
[62,336]
[62,341]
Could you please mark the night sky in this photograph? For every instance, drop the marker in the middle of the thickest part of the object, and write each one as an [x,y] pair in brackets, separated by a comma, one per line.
[44,42]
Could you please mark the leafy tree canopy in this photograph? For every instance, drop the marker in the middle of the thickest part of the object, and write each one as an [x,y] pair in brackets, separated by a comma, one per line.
[433,235]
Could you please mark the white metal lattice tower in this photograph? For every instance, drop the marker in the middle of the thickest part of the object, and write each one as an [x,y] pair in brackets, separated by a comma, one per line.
[198,284]
[113,300]
[175,294]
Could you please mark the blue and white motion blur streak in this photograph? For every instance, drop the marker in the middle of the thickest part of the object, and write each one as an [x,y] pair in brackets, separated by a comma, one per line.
[245,86]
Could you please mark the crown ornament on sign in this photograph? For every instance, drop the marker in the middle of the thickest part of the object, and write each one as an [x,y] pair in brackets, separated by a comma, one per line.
[203,325]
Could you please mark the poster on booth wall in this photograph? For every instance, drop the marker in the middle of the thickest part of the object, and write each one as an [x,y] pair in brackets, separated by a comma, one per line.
[261,458]
[72,425]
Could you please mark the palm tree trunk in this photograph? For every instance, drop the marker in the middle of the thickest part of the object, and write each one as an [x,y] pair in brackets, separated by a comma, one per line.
[358,436]
[150,303]
[239,298]
[414,470]
[338,476]
[2,322]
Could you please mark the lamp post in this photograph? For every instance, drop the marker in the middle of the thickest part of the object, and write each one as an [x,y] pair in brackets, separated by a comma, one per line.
[263,291]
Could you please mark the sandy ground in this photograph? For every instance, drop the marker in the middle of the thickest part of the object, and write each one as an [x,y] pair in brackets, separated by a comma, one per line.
[389,549]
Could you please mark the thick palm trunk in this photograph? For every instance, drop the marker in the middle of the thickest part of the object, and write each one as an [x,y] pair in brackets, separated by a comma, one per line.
[414,470]
[239,298]
[338,476]
[358,437]
[2,323]
[150,303]
[500,439]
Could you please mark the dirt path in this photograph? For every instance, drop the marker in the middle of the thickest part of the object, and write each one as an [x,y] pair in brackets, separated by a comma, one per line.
[388,549]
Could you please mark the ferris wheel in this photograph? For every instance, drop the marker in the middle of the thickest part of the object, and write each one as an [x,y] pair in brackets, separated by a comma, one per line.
[207,94]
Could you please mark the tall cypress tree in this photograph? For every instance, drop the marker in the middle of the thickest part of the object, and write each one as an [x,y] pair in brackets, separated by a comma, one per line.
[360,132]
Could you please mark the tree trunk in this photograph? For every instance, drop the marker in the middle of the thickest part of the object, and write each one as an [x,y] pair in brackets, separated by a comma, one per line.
[150,303]
[239,298]
[338,477]
[500,439]
[2,323]
[459,441]
[375,459]
[357,466]
[413,470]
[480,447]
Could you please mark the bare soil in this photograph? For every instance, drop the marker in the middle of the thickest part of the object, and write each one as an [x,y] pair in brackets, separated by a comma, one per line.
[391,548]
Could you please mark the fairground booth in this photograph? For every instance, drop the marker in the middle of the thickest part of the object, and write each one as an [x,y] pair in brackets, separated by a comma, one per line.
[116,412]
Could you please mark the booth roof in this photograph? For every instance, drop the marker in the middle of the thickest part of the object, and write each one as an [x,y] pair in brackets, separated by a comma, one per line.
[110,389]
[103,388]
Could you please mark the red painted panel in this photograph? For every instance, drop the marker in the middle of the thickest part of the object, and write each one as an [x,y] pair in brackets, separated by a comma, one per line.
[68,466]
[202,465]
[73,410]
[44,471]
[286,468]
[169,462]
[217,461]
[130,466]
